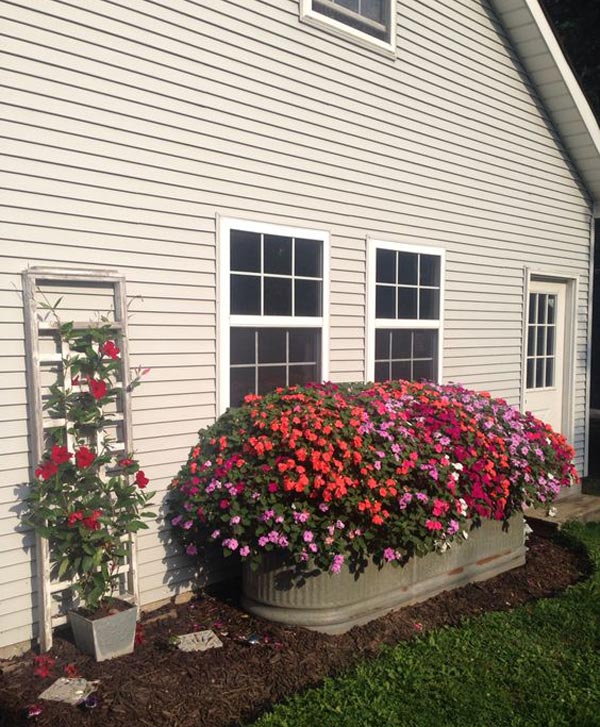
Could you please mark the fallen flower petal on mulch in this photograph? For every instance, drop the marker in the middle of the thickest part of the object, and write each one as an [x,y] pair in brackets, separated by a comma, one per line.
[259,664]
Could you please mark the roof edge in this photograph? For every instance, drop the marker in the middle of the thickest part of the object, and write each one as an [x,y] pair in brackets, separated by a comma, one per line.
[586,155]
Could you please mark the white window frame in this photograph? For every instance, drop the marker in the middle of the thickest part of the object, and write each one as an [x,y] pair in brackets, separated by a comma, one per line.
[373,323]
[225,321]
[342,30]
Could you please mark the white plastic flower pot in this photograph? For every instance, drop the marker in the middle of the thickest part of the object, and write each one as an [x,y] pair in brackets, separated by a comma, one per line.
[334,603]
[106,637]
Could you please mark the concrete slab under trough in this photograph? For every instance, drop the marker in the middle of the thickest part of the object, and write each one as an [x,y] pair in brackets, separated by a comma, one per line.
[582,508]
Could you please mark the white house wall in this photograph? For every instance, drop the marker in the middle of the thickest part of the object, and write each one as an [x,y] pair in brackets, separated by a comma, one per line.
[125,131]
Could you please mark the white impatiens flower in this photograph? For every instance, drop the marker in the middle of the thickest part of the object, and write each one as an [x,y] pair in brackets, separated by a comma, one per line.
[465,534]
[527,529]
[458,466]
[463,506]
[552,512]
[454,475]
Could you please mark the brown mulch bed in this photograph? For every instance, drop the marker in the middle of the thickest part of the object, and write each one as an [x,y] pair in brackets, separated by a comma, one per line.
[159,685]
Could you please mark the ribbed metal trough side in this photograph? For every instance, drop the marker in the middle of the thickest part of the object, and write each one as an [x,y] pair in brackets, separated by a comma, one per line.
[333,603]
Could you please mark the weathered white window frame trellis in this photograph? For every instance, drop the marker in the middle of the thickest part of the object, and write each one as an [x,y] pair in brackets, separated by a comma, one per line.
[35,329]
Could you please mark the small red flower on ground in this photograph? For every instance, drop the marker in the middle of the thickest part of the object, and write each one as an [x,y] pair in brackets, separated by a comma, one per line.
[139,635]
[71,671]
[43,665]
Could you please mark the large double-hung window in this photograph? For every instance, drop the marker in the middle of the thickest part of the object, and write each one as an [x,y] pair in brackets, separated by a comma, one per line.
[405,311]
[272,308]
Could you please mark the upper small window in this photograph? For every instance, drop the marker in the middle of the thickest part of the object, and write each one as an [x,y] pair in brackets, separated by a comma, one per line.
[369,22]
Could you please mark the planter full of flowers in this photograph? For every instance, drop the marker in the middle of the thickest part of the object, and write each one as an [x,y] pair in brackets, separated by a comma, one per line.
[346,501]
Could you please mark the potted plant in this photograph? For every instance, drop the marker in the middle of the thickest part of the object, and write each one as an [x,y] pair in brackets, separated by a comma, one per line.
[87,499]
[331,478]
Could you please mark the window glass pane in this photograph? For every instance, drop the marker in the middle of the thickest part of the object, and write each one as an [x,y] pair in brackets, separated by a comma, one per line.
[308,260]
[386,266]
[551,308]
[245,251]
[305,345]
[401,344]
[385,301]
[532,307]
[373,9]
[241,382]
[270,377]
[242,346]
[550,340]
[245,295]
[308,297]
[429,304]
[530,373]
[407,268]
[539,373]
[271,345]
[430,270]
[550,372]
[531,341]
[278,255]
[407,302]
[348,4]
[425,344]
[382,371]
[278,296]
[541,312]
[303,374]
[541,343]
[401,370]
[423,370]
[382,343]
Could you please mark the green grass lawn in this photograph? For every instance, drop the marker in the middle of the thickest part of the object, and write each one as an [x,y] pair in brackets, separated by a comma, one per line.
[537,665]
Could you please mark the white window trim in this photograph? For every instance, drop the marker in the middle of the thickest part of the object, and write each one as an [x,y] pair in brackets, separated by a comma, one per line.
[373,323]
[318,20]
[225,320]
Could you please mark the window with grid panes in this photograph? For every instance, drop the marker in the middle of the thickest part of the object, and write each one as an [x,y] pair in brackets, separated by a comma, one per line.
[541,341]
[407,314]
[275,279]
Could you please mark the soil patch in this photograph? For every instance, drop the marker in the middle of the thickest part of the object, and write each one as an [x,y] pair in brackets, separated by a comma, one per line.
[160,685]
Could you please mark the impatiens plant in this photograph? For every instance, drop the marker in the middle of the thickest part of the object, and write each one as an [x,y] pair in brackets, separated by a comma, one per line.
[87,499]
[326,474]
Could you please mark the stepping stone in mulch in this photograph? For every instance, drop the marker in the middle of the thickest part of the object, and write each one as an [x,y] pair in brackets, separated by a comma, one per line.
[71,691]
[199,641]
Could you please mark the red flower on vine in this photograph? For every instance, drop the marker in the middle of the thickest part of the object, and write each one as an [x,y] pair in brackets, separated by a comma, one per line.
[141,480]
[97,388]
[74,517]
[60,455]
[111,350]
[46,470]
[84,457]
[91,522]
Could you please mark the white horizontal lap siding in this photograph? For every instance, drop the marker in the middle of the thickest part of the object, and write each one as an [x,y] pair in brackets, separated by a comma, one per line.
[125,128]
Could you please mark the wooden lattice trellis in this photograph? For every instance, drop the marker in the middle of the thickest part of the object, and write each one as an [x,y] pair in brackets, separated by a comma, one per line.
[42,334]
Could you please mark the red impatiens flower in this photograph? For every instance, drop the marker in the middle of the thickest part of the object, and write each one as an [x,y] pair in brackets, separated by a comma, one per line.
[46,470]
[43,665]
[91,522]
[97,388]
[74,517]
[111,349]
[84,457]
[60,455]
[141,480]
